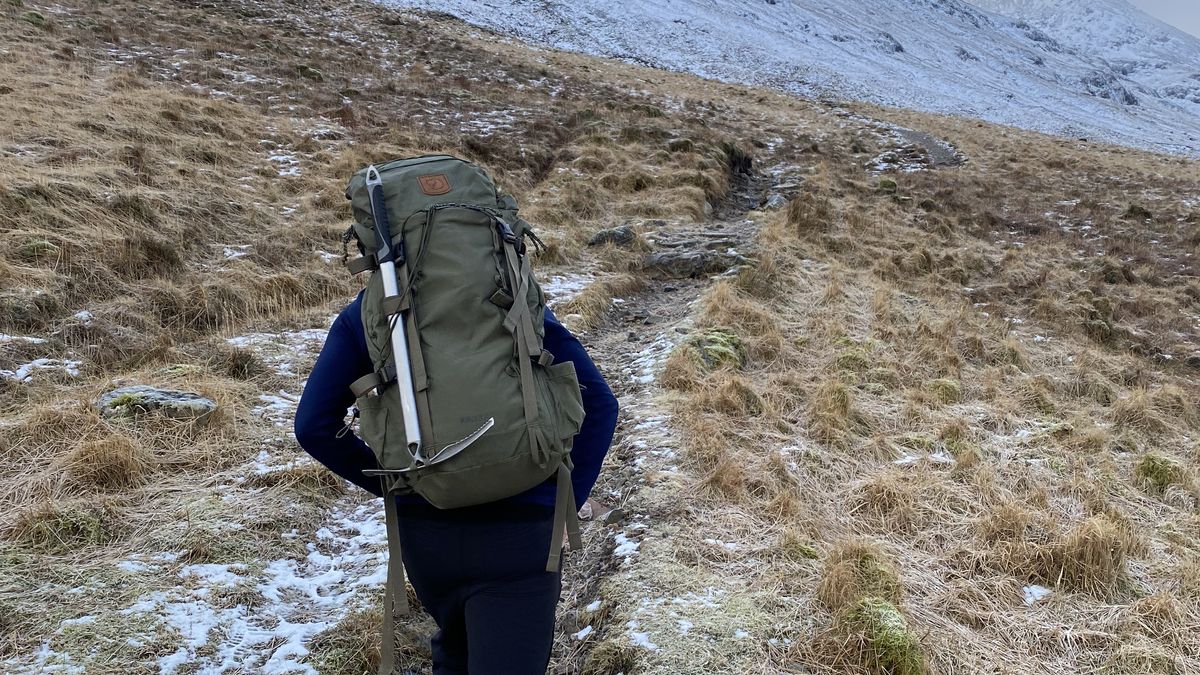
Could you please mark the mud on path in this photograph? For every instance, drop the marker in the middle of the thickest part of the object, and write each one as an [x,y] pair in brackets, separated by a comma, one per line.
[640,483]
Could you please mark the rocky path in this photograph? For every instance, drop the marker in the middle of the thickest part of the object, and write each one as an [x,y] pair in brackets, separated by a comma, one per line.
[343,564]
[641,484]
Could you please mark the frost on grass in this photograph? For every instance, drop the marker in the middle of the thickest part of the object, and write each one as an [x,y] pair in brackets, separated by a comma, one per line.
[285,351]
[246,617]
[562,288]
[625,547]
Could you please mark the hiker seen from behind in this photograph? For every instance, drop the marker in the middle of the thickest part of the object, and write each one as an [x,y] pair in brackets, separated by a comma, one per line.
[480,419]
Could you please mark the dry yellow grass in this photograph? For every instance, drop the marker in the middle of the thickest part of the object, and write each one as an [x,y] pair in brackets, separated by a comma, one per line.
[961,370]
[959,396]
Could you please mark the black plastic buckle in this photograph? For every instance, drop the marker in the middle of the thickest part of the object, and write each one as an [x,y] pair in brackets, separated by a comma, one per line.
[386,375]
[507,232]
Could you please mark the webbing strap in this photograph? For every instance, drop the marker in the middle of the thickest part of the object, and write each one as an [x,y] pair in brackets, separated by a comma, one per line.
[565,518]
[518,316]
[416,357]
[520,324]
[395,304]
[395,597]
[362,264]
[529,397]
[364,384]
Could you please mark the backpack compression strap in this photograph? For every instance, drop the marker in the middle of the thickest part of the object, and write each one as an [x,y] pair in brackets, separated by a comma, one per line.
[520,323]
[395,594]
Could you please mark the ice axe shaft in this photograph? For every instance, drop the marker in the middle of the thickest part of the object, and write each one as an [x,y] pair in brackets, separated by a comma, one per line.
[386,256]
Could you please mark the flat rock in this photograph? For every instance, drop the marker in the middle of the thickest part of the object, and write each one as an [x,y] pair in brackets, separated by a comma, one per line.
[617,236]
[690,264]
[140,400]
[775,201]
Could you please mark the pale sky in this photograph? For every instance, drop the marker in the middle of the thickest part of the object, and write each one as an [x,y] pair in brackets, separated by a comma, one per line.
[1183,14]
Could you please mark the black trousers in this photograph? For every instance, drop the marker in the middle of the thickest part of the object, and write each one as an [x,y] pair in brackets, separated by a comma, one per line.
[481,574]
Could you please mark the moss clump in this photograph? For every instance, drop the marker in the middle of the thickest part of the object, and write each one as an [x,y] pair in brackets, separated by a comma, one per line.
[681,145]
[917,442]
[890,646]
[129,404]
[887,186]
[179,370]
[310,73]
[853,360]
[719,348]
[34,19]
[64,527]
[1157,473]
[1137,212]
[37,249]
[944,390]
[647,109]
[796,547]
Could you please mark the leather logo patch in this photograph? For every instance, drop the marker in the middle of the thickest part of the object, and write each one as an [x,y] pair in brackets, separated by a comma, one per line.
[434,184]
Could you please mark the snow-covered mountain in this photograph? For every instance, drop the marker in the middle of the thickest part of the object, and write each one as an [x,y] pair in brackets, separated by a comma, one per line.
[937,55]
[1160,59]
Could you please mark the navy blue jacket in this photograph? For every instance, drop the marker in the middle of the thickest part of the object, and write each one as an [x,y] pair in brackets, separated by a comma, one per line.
[321,414]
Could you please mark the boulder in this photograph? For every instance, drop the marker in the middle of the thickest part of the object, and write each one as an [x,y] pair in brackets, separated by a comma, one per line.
[690,264]
[138,401]
[775,201]
[617,236]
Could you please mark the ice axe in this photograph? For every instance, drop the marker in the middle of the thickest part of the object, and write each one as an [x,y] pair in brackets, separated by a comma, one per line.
[387,255]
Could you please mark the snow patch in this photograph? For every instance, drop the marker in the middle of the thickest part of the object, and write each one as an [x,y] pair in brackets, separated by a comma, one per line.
[1034,594]
[24,372]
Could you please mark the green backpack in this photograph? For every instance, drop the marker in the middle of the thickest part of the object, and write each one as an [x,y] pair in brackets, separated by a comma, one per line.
[473,318]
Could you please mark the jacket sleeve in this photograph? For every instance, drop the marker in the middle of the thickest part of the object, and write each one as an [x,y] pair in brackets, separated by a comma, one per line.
[599,405]
[321,414]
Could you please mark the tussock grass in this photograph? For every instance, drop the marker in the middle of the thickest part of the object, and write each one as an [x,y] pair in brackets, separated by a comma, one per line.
[112,463]
[864,306]
[857,570]
[66,527]
[588,309]
[973,383]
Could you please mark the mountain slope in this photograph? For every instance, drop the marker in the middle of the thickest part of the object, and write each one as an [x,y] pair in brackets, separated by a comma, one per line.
[946,57]
[1161,59]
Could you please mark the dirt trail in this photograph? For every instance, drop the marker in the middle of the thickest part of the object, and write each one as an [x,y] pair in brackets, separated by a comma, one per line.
[640,479]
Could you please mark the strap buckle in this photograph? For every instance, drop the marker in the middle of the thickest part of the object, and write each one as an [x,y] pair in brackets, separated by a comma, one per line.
[506,232]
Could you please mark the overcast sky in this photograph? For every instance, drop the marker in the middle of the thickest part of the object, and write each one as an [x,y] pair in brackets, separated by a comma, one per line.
[1183,14]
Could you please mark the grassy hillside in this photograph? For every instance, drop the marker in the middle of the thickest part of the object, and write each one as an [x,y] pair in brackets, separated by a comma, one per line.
[951,426]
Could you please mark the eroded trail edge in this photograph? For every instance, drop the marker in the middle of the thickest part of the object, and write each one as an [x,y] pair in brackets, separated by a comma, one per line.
[642,487]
